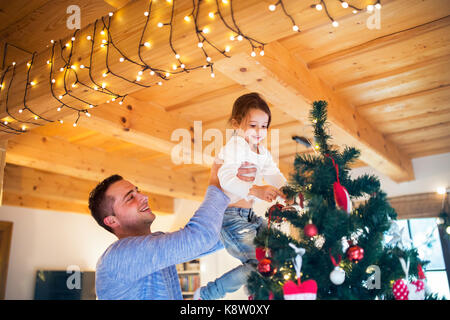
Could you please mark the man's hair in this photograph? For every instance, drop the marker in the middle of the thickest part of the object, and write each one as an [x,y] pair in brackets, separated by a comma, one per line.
[101,205]
[245,103]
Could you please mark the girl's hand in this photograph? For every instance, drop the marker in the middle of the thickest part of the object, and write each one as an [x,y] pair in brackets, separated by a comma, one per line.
[267,193]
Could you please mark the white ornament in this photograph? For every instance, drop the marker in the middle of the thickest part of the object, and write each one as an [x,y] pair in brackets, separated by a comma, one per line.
[337,276]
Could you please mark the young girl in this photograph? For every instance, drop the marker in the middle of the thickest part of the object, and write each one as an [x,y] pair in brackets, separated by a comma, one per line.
[250,120]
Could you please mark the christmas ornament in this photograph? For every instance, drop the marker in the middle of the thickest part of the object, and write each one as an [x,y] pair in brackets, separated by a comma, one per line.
[403,290]
[422,277]
[306,290]
[266,268]
[337,276]
[341,195]
[398,238]
[354,253]
[310,230]
[277,207]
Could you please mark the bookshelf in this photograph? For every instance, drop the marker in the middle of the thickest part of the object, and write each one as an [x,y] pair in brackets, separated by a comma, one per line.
[189,276]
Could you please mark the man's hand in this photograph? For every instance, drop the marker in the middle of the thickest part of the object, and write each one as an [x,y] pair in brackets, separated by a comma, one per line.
[242,173]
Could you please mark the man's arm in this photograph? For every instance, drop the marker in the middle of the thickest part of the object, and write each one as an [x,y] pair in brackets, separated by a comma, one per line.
[135,257]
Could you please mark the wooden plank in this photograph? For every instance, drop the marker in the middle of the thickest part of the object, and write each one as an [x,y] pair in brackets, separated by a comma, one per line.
[58,156]
[414,135]
[5,245]
[423,205]
[381,42]
[3,146]
[31,183]
[292,87]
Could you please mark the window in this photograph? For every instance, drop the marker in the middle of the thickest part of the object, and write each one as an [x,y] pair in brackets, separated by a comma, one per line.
[424,235]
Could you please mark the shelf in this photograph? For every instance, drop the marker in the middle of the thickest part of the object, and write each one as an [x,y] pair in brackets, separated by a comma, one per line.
[189,272]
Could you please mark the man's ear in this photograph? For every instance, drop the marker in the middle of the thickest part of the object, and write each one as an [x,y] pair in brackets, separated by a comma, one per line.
[111,222]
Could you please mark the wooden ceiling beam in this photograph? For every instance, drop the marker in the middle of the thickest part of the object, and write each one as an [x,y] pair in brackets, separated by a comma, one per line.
[287,83]
[58,156]
[22,185]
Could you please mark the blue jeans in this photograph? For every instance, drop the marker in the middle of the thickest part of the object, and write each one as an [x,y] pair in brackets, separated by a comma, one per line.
[239,229]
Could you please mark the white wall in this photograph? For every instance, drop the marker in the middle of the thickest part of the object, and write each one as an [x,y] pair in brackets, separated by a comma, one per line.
[53,240]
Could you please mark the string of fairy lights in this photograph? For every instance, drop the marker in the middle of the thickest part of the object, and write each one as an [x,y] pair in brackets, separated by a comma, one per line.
[102,36]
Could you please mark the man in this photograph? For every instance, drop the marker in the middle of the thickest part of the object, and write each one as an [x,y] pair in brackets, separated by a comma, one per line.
[141,264]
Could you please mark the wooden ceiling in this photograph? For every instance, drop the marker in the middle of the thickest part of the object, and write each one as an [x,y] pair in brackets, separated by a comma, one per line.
[387,88]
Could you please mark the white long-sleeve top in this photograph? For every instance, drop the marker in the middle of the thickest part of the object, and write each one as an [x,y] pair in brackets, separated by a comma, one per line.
[233,154]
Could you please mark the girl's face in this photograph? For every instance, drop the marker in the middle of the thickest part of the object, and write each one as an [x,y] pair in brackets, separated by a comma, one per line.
[254,127]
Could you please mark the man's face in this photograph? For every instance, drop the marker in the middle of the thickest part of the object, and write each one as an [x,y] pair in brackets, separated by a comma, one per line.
[131,208]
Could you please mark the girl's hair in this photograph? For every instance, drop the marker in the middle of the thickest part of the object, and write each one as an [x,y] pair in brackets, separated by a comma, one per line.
[245,103]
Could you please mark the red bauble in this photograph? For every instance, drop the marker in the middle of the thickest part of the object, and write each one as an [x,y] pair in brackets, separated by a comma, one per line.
[310,230]
[355,253]
[266,268]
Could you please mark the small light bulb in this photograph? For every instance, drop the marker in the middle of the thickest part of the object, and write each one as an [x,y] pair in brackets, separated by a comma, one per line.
[272,7]
[61,69]
[167,74]
[378,6]
[52,41]
[88,114]
[24,128]
[121,59]
[206,30]
[14,63]
[102,45]
[28,64]
[60,97]
[140,73]
[103,85]
[447,230]
[20,110]
[152,73]
[200,44]
[355,11]
[81,66]
[73,39]
[73,67]
[160,24]
[120,102]
[61,121]
[232,38]
[225,1]
[59,109]
[113,99]
[174,67]
[211,15]
[33,83]
[160,83]
[95,88]
[89,38]
[111,14]
[74,85]
[187,18]
[104,74]
[91,106]
[146,13]
[102,32]
[370,7]
[182,66]
[36,117]
[67,44]
[295,28]
[253,54]
[53,80]
[208,59]
[103,41]
[74,124]
[48,61]
[318,7]
[147,44]
[227,49]
[344,4]
[212,75]
[261,53]
[177,56]
[335,24]
[240,38]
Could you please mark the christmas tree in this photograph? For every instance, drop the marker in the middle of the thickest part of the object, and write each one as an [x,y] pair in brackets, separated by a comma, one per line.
[334,250]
